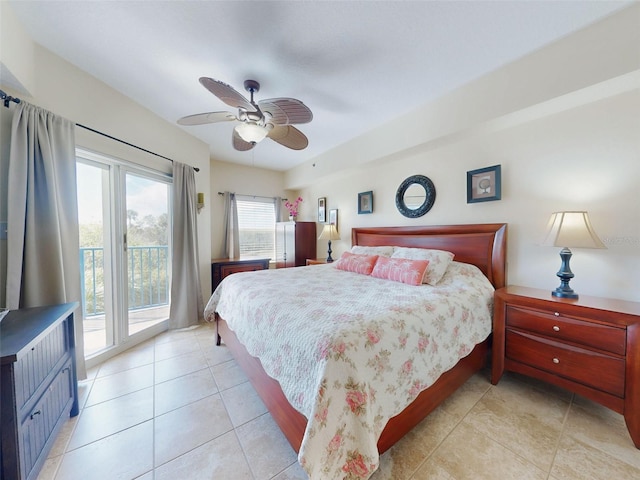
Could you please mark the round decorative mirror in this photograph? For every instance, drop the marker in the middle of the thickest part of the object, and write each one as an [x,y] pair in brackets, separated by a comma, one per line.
[415,196]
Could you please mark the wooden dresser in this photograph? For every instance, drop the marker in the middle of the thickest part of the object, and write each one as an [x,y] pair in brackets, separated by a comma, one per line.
[38,385]
[590,346]
[221,267]
[295,242]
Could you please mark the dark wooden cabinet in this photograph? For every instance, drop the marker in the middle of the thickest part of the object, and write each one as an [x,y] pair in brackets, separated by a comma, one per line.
[590,346]
[38,385]
[295,242]
[221,267]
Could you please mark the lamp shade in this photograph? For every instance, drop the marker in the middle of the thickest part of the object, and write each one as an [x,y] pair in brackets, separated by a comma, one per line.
[329,232]
[571,229]
[251,132]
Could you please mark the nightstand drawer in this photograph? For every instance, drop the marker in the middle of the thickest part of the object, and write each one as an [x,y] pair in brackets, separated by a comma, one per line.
[600,371]
[575,330]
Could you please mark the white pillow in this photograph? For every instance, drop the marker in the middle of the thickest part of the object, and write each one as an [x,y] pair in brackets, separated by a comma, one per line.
[439,260]
[380,251]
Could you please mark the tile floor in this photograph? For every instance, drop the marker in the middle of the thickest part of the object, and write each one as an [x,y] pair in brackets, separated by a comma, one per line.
[177,407]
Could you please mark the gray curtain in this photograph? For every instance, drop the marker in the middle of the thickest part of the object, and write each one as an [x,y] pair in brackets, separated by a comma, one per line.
[187,307]
[277,202]
[231,245]
[43,266]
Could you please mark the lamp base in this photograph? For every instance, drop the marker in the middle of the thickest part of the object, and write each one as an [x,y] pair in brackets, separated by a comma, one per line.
[329,259]
[565,274]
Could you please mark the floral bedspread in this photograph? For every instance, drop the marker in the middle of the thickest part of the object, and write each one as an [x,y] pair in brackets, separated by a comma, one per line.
[351,351]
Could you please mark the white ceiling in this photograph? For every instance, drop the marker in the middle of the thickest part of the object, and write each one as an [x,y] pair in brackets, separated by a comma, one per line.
[356,64]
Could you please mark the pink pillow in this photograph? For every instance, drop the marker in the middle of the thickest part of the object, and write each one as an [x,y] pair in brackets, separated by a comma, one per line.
[352,262]
[402,270]
[439,261]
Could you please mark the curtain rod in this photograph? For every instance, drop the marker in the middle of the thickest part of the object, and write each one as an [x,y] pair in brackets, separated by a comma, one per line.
[8,98]
[254,196]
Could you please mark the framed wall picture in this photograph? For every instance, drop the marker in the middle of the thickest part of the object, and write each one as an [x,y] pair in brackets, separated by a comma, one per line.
[322,209]
[333,217]
[365,202]
[483,185]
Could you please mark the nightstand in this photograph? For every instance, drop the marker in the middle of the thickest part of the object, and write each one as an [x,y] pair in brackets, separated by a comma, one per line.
[316,261]
[590,346]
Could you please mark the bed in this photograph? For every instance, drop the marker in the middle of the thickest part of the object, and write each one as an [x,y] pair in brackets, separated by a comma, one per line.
[365,417]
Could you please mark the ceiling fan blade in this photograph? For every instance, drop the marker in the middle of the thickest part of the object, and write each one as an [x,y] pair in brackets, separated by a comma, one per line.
[288,136]
[211,117]
[286,111]
[227,94]
[239,144]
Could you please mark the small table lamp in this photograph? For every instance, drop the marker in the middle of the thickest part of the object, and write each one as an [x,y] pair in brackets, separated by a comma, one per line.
[569,229]
[329,232]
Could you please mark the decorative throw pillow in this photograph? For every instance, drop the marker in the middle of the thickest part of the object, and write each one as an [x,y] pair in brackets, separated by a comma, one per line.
[439,260]
[351,262]
[402,270]
[382,251]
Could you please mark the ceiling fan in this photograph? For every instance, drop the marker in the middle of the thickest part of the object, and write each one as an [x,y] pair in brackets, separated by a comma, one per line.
[273,118]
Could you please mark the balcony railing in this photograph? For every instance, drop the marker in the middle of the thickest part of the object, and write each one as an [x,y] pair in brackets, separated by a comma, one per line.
[148,278]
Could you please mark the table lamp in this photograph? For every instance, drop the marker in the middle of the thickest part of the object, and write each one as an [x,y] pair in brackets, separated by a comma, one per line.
[569,230]
[329,232]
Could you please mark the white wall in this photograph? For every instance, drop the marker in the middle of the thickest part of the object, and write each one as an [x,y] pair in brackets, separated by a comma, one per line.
[243,180]
[564,123]
[61,88]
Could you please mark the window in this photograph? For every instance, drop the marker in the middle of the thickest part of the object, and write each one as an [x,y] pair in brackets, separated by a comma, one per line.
[257,226]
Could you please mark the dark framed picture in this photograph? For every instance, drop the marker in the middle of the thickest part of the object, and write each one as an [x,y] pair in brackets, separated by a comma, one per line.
[322,209]
[365,202]
[483,185]
[333,217]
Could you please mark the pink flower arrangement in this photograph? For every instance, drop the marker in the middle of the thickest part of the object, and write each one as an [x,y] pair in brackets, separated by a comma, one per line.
[293,207]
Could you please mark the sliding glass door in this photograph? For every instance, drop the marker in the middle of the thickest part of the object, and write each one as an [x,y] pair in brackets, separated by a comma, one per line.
[148,255]
[125,260]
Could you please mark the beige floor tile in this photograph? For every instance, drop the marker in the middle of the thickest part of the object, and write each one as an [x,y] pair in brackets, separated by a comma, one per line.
[266,448]
[121,383]
[215,354]
[604,429]
[577,460]
[228,374]
[180,365]
[173,335]
[293,472]
[62,440]
[50,468]
[137,356]
[112,416]
[183,390]
[523,419]
[146,476]
[467,454]
[188,427]
[125,455]
[243,403]
[463,400]
[220,458]
[404,458]
[176,346]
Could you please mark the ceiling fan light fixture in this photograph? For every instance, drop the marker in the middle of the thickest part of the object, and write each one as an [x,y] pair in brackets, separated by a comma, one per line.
[251,132]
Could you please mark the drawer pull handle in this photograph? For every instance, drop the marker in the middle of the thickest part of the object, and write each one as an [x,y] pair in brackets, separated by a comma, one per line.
[556,314]
[37,412]
[556,360]
[556,328]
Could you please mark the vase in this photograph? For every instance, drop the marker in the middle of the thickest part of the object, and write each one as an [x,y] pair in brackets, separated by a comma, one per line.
[292,218]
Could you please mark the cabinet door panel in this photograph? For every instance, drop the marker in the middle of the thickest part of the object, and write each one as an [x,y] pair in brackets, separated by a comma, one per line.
[588,367]
[596,335]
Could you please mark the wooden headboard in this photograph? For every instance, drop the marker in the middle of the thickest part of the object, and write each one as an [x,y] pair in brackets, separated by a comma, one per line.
[483,245]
